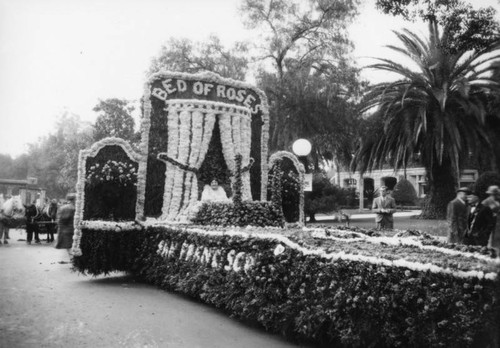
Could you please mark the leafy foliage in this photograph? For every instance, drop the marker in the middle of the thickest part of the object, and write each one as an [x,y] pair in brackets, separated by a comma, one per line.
[312,83]
[115,120]
[464,27]
[404,192]
[284,189]
[106,252]
[238,183]
[245,214]
[209,55]
[54,158]
[437,112]
[324,196]
[484,181]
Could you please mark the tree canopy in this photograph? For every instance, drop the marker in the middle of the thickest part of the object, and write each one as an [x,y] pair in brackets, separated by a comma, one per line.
[114,119]
[54,158]
[437,111]
[210,55]
[311,82]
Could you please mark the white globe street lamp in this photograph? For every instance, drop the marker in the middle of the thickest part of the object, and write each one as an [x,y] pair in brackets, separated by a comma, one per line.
[301,147]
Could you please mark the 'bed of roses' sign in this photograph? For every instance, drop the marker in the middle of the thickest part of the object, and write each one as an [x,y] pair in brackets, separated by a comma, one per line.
[181,112]
[180,88]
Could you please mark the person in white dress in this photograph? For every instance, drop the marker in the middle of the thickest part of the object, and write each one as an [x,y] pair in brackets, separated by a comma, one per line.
[210,193]
[214,193]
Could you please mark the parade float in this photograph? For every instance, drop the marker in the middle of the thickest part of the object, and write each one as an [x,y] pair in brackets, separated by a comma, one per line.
[138,211]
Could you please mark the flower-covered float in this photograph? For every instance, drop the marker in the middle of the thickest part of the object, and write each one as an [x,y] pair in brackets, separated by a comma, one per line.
[333,286]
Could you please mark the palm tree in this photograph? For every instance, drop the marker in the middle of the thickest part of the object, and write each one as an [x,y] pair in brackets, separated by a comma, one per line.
[436,112]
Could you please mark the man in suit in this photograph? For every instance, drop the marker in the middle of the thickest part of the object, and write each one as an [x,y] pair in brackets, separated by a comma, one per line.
[384,206]
[457,217]
[483,225]
[472,205]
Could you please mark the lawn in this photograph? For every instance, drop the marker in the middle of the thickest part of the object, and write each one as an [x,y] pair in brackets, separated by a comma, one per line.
[434,227]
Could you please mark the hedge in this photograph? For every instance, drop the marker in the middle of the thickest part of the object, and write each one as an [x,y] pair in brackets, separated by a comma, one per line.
[243,214]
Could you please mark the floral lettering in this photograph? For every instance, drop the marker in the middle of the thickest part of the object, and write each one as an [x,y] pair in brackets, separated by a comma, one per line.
[238,261]
[181,85]
[221,91]
[230,260]
[168,87]
[159,93]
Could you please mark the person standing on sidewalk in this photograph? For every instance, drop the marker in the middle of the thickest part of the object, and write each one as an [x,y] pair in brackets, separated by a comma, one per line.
[65,228]
[384,206]
[457,217]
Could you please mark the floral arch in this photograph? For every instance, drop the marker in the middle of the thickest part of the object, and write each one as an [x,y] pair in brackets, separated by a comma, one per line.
[112,150]
[277,156]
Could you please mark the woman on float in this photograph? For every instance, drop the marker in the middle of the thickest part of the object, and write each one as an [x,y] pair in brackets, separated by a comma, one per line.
[214,193]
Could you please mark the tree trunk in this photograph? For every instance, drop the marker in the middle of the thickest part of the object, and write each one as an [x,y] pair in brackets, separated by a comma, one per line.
[442,186]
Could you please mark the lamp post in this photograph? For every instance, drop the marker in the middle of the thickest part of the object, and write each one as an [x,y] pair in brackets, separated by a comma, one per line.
[302,148]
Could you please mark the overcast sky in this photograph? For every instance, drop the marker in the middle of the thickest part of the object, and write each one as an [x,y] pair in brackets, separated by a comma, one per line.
[58,55]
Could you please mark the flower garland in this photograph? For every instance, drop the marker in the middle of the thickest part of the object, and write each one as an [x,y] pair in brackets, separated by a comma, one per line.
[82,177]
[207,127]
[143,151]
[173,148]
[177,190]
[246,139]
[408,241]
[228,149]
[198,120]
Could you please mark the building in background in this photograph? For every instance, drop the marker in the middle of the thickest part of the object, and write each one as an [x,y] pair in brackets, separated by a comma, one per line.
[369,182]
[28,189]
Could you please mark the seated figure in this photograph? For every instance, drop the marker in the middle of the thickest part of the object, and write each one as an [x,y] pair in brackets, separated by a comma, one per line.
[211,193]
[214,193]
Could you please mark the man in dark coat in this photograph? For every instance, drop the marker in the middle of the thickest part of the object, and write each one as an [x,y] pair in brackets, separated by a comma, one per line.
[472,205]
[65,227]
[384,206]
[484,223]
[457,215]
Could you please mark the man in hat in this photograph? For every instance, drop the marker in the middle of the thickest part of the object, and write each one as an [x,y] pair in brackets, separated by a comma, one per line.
[457,216]
[483,225]
[384,206]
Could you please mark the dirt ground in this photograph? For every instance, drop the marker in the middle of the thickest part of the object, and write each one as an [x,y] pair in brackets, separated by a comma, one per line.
[45,304]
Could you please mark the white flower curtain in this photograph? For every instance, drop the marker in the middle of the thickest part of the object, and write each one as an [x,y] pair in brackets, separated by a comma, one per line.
[190,126]
[236,138]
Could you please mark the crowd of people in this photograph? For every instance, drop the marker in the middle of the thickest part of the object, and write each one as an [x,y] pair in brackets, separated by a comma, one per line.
[58,217]
[472,221]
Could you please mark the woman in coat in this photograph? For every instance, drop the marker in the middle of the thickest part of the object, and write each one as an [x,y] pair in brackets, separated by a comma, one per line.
[65,228]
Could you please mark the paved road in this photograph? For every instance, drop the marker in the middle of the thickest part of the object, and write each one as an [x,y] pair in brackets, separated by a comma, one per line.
[44,304]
